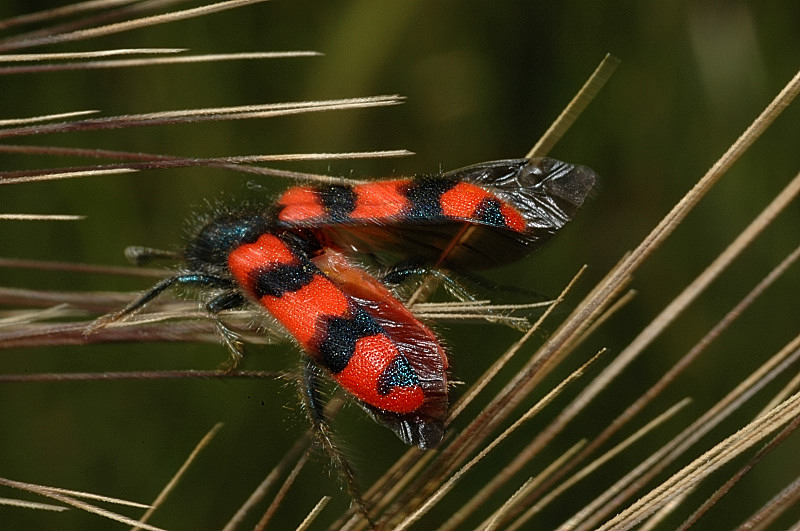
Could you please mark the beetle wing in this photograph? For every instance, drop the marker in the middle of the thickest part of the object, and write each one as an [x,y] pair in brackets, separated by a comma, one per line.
[423,427]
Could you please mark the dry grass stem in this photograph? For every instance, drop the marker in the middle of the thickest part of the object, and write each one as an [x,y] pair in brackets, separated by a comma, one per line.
[41,489]
[299,451]
[256,496]
[448,486]
[502,514]
[788,390]
[597,463]
[54,176]
[71,497]
[32,505]
[61,56]
[723,452]
[634,480]
[127,25]
[621,274]
[494,521]
[495,368]
[670,376]
[170,486]
[574,108]
[238,112]
[774,508]
[74,267]
[44,118]
[282,492]
[70,10]
[138,375]
[40,217]
[129,63]
[733,480]
[312,515]
[227,162]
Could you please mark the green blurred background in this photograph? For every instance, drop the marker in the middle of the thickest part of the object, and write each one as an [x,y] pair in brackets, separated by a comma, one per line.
[483,81]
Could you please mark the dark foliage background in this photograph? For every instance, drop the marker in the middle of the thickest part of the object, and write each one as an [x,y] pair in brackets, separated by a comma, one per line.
[483,81]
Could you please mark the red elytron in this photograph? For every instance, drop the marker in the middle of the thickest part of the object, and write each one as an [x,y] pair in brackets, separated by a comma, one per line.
[290,261]
[509,206]
[352,326]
